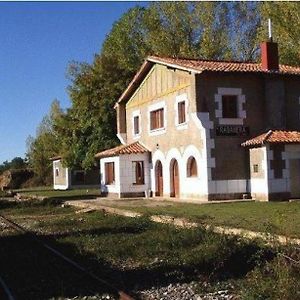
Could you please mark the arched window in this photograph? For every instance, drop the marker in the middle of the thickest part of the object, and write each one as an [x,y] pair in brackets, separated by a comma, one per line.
[191,167]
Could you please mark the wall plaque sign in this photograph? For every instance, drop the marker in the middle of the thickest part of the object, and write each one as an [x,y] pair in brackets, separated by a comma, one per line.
[232,130]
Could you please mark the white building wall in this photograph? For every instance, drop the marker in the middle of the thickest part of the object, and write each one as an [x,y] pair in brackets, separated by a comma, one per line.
[113,188]
[56,185]
[190,187]
[127,173]
[277,185]
[260,185]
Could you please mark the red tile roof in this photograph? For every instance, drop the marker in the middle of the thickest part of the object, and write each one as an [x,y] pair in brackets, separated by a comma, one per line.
[273,137]
[199,66]
[133,148]
[221,66]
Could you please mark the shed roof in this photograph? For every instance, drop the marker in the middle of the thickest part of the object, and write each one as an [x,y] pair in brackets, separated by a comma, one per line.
[274,137]
[133,148]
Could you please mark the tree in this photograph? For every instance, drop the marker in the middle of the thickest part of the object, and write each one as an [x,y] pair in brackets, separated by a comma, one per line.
[44,146]
[285,17]
[245,22]
[16,163]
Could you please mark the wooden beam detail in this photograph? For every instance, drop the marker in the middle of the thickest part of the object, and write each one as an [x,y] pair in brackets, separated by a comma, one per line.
[167,92]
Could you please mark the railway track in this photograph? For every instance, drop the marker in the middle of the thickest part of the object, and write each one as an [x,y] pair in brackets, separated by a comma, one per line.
[35,238]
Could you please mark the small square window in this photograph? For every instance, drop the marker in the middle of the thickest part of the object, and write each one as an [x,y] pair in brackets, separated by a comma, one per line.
[229,106]
[255,168]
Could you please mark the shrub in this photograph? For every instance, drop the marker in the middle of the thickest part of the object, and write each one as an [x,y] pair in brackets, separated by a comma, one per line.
[277,279]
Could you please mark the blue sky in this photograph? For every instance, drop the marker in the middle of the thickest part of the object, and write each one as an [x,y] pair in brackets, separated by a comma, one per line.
[37,41]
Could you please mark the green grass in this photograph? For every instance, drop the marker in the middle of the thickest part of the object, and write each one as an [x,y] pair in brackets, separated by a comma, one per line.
[67,194]
[131,254]
[273,217]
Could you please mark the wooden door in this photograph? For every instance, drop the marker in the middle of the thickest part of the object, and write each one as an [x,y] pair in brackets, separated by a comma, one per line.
[174,179]
[158,179]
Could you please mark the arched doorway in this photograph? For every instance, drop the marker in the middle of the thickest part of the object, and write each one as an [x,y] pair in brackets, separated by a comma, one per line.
[174,179]
[158,179]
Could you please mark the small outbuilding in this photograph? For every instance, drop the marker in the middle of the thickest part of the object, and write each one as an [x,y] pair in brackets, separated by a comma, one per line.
[65,178]
[275,165]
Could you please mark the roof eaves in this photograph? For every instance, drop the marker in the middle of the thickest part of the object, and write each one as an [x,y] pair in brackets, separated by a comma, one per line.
[175,66]
[132,85]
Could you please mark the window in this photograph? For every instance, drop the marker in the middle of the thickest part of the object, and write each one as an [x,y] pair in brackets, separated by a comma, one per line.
[56,172]
[138,169]
[229,106]
[157,119]
[136,125]
[192,167]
[181,112]
[255,168]
[109,173]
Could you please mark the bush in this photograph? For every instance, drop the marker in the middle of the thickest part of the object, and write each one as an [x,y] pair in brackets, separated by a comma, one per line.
[277,279]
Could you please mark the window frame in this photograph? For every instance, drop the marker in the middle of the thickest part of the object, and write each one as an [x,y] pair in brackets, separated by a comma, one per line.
[110,179]
[136,115]
[241,107]
[138,180]
[179,99]
[255,168]
[155,107]
[227,114]
[158,119]
[181,112]
[189,173]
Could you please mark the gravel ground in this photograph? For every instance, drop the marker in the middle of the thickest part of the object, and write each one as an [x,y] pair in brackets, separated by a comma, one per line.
[185,291]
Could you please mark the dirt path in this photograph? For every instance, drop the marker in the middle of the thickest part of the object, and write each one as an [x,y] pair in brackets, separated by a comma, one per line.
[181,222]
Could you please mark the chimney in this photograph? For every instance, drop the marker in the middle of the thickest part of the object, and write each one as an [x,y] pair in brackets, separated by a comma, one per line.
[269,53]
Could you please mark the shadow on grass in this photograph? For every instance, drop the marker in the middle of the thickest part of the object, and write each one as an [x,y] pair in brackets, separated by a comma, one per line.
[32,272]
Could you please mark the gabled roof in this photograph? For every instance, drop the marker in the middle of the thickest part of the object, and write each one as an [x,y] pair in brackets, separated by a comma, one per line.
[274,137]
[133,148]
[198,66]
[58,157]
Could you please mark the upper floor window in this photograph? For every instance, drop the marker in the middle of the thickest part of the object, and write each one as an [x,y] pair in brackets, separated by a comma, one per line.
[138,168]
[192,167]
[136,125]
[229,106]
[157,119]
[109,173]
[181,112]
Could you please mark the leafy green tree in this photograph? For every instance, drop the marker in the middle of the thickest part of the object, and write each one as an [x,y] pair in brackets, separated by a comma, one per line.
[44,145]
[285,17]
[16,163]
[245,22]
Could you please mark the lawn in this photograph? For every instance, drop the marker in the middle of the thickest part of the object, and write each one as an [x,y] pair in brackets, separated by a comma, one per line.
[131,253]
[60,194]
[273,217]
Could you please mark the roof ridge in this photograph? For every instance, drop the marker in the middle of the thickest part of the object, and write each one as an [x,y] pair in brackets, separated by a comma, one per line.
[268,134]
[204,59]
